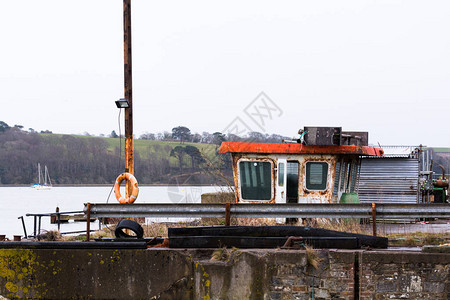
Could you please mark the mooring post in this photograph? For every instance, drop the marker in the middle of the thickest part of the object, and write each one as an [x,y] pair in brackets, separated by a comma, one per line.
[374,219]
[227,214]
[88,222]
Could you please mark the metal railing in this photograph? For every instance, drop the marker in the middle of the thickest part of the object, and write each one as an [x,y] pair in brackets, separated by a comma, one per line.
[37,222]
[227,210]
[363,210]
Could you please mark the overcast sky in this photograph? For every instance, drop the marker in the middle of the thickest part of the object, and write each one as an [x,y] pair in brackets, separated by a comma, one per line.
[377,66]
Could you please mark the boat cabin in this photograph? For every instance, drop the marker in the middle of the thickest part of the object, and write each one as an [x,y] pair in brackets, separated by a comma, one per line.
[319,167]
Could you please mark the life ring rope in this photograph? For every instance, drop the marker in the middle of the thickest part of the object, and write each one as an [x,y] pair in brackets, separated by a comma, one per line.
[134,188]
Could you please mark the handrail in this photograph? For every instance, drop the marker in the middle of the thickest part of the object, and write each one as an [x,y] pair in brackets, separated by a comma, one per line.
[360,210]
[55,213]
[37,221]
[291,210]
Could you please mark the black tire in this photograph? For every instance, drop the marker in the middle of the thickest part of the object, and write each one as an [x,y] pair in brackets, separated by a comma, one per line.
[131,225]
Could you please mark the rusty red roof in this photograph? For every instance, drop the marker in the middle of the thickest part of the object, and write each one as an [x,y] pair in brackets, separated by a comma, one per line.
[238,147]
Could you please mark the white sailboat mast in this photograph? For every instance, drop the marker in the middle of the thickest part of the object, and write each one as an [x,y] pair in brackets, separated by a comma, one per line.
[47,177]
[39,173]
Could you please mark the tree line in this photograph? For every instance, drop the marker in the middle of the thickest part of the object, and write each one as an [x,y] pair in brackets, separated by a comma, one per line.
[184,134]
[92,160]
[71,160]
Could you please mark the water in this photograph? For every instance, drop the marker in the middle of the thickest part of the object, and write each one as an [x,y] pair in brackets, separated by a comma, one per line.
[18,201]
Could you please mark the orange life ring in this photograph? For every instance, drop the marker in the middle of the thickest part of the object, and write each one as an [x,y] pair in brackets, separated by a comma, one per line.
[134,188]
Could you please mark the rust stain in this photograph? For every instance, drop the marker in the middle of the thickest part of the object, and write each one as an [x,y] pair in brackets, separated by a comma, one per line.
[235,158]
[129,166]
[240,147]
[313,195]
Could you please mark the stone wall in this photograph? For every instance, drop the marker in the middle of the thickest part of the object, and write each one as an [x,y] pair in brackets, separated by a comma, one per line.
[236,274]
[277,274]
[404,276]
[289,274]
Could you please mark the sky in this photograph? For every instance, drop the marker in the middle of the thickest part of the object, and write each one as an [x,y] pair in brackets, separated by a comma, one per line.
[231,66]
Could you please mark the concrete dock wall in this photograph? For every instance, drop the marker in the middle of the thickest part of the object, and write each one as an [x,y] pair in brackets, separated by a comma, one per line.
[235,274]
[96,274]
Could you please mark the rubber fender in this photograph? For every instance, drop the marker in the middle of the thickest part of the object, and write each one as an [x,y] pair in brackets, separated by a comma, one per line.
[131,225]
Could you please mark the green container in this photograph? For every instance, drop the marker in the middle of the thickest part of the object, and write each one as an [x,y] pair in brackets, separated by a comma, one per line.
[349,198]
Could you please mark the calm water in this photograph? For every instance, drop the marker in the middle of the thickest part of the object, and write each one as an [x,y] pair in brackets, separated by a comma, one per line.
[18,201]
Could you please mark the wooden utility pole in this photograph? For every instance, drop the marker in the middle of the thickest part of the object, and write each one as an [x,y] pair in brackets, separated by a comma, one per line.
[129,164]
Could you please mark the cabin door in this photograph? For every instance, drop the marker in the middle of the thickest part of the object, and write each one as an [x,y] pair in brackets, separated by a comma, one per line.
[281,181]
[292,182]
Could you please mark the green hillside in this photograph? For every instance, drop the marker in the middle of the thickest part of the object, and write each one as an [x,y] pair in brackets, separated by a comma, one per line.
[82,159]
[145,148]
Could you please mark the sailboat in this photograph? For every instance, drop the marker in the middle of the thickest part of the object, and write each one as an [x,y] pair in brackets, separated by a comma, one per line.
[47,183]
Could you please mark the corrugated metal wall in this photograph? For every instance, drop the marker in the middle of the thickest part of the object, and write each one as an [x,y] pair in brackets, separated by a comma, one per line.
[392,180]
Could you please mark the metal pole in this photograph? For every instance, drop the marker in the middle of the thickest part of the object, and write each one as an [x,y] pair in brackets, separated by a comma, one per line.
[58,216]
[24,228]
[35,221]
[227,214]
[128,91]
[88,222]
[374,219]
[129,166]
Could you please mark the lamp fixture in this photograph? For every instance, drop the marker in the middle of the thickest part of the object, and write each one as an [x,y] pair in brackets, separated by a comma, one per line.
[122,103]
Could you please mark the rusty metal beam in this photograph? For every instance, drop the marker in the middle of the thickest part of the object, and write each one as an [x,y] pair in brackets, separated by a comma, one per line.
[128,86]
[240,147]
[128,91]
[227,214]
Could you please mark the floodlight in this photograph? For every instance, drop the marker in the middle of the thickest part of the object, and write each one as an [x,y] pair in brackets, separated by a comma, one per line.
[123,103]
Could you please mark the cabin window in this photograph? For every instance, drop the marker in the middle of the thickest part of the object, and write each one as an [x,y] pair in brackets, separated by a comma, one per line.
[281,174]
[256,180]
[316,175]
